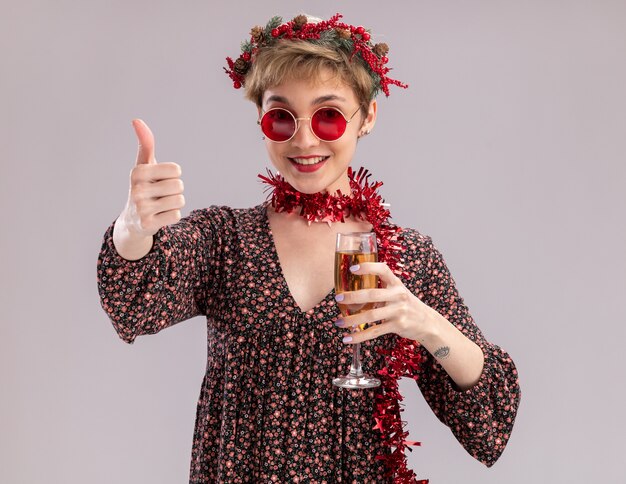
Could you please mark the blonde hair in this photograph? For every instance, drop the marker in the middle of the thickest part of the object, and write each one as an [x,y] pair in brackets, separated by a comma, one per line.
[290,59]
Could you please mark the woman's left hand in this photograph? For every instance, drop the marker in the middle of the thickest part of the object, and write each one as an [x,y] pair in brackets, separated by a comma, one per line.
[398,309]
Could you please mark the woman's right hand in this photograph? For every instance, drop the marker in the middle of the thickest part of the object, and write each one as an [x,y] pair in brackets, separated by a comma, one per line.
[155,198]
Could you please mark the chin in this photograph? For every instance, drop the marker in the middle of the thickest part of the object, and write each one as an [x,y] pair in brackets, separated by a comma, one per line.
[307,188]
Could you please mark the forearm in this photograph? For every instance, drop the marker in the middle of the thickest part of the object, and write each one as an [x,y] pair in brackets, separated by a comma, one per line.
[459,356]
[165,286]
[474,390]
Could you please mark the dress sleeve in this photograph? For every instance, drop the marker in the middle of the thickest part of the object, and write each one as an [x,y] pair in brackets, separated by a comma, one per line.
[174,282]
[481,417]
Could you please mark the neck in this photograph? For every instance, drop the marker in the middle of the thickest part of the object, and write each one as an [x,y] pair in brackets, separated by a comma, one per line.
[342,184]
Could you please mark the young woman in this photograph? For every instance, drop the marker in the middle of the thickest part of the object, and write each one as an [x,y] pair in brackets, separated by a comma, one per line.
[263,277]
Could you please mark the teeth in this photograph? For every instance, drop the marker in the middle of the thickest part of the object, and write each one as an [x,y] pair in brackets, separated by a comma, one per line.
[309,161]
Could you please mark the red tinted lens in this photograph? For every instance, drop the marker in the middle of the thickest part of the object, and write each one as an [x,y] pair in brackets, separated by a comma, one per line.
[278,124]
[328,124]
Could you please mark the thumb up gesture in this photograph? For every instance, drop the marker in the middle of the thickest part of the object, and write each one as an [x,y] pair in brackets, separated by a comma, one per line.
[156,189]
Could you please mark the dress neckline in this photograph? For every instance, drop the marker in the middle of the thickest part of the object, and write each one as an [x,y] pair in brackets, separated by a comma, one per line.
[279,268]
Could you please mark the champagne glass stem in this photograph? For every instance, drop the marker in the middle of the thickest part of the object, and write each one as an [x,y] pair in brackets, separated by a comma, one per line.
[355,368]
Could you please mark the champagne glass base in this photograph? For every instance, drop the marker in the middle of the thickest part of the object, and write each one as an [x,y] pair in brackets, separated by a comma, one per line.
[362,381]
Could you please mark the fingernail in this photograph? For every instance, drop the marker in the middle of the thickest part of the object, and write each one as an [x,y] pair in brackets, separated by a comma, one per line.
[355,267]
[339,322]
[339,297]
[347,339]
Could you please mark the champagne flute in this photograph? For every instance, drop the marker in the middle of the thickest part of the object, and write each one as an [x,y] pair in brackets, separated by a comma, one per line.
[355,248]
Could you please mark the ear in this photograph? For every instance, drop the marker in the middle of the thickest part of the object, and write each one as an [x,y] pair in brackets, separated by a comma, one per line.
[370,119]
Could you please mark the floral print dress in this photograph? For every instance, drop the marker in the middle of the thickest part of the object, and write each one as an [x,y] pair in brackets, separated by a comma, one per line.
[267,410]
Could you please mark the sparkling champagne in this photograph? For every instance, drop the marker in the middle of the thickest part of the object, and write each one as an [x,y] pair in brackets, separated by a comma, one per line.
[345,280]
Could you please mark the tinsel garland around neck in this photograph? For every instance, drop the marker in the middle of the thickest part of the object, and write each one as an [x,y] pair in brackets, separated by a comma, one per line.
[365,203]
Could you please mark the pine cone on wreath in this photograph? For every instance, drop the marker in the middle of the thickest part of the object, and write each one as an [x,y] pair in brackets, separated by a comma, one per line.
[257,33]
[343,33]
[241,66]
[299,21]
[381,49]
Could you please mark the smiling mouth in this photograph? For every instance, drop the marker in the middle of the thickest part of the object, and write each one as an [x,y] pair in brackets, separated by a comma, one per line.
[309,161]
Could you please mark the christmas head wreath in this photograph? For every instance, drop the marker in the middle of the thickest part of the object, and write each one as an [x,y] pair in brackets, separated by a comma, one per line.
[355,40]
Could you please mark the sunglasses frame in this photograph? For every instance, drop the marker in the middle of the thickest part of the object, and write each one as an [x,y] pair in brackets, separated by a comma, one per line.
[297,123]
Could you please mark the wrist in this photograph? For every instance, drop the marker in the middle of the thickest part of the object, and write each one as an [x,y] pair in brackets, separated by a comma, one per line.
[129,245]
[432,328]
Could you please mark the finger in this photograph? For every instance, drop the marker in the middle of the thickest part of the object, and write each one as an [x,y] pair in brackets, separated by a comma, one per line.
[370,333]
[155,173]
[145,138]
[165,204]
[167,218]
[362,296]
[370,316]
[164,188]
[380,269]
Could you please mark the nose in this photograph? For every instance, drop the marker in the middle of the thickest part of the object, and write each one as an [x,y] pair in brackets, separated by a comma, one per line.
[304,137]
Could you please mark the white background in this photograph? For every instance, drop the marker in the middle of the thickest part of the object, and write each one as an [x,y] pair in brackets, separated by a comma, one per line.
[507,148]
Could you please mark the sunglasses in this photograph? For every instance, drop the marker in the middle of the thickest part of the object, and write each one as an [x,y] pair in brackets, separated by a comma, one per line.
[327,124]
